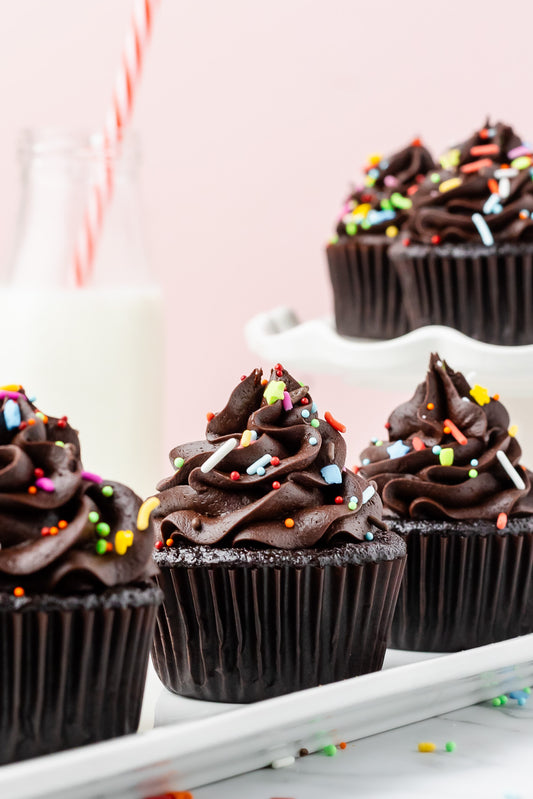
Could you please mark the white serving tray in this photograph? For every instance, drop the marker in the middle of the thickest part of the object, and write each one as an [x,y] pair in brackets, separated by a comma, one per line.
[203,742]
[314,345]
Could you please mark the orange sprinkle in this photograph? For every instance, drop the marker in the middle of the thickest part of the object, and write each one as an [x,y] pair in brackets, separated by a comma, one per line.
[264,381]
[169,542]
[418,444]
[62,524]
[493,186]
[334,423]
[485,149]
[501,521]
[415,143]
[412,189]
[496,397]
[342,745]
[447,429]
[54,530]
[209,416]
[289,523]
[18,591]
[456,433]
[108,546]
[475,166]
[523,215]
[430,406]
[484,133]
[32,490]
[31,421]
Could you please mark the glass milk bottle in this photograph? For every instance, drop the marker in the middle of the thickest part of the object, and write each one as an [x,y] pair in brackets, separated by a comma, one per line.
[94,353]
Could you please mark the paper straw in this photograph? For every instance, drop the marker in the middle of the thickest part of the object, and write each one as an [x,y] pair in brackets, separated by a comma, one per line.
[118,117]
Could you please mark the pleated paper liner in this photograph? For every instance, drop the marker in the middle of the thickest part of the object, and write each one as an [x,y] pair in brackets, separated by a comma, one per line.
[485,292]
[72,669]
[366,291]
[242,634]
[464,590]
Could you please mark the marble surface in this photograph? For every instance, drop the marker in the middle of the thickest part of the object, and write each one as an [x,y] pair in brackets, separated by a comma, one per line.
[493,760]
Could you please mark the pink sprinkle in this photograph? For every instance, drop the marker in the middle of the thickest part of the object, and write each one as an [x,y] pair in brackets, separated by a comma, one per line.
[287,402]
[45,484]
[11,394]
[390,180]
[95,478]
[517,151]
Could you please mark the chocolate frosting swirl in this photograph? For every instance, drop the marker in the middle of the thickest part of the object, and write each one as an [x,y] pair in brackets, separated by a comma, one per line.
[410,469]
[494,141]
[49,530]
[386,197]
[300,497]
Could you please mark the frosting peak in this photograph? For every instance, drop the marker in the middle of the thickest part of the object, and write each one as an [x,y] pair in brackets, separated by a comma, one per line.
[450,454]
[270,474]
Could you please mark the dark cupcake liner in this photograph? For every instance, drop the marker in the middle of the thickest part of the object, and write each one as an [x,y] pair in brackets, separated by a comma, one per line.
[461,591]
[250,633]
[367,294]
[485,292]
[72,670]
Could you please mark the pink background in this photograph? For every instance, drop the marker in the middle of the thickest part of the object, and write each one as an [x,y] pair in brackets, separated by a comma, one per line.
[254,119]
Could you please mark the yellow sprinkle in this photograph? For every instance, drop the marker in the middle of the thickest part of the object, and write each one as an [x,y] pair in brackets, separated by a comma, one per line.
[452,183]
[362,209]
[123,540]
[391,231]
[480,394]
[246,438]
[513,430]
[374,158]
[143,517]
[450,158]
[11,387]
[426,746]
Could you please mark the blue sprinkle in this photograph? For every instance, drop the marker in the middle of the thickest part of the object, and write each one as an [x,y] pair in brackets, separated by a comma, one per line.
[353,499]
[384,163]
[260,471]
[398,449]
[521,700]
[305,413]
[314,408]
[373,173]
[366,461]
[436,449]
[313,441]
[331,473]
[369,536]
[474,462]
[12,415]
[524,211]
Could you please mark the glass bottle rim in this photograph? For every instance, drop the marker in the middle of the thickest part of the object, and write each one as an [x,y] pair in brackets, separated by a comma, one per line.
[76,144]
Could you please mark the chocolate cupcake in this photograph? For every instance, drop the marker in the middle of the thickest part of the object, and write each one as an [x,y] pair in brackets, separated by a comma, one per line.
[277,571]
[77,602]
[465,259]
[453,488]
[366,292]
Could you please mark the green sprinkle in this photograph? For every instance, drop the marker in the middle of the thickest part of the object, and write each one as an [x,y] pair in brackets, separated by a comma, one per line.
[496,702]
[379,443]
[60,443]
[103,529]
[369,181]
[178,463]
[365,224]
[274,391]
[101,547]
[399,201]
[522,162]
[386,205]
[330,750]
[40,415]
[473,473]
[94,517]
[315,423]
[352,505]
[107,491]
[446,456]
[450,746]
[351,229]
[526,690]
[434,177]
[334,239]
[503,699]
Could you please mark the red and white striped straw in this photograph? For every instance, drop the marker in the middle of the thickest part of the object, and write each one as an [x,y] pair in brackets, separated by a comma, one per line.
[118,117]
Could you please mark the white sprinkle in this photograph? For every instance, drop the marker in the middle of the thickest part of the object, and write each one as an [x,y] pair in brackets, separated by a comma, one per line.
[510,469]
[491,203]
[483,229]
[506,173]
[504,187]
[217,456]
[254,467]
[283,762]
[368,493]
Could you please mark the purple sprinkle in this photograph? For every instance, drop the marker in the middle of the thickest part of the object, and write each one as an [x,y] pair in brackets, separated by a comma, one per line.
[287,402]
[390,180]
[95,478]
[518,151]
[45,484]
